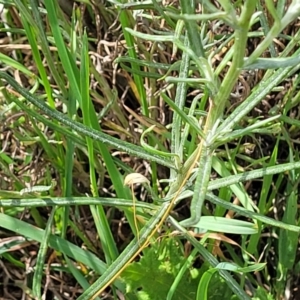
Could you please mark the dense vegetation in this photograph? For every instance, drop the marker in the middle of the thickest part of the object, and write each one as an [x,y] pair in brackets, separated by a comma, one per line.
[149,149]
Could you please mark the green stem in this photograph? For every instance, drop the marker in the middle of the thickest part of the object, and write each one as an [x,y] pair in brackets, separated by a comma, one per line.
[188,7]
[217,105]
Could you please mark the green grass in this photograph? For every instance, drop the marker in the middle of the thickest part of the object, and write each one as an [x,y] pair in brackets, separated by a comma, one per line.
[109,133]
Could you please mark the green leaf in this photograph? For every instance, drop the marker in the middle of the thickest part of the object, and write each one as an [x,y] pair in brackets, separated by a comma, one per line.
[220,224]
[212,286]
[89,132]
[159,267]
[235,268]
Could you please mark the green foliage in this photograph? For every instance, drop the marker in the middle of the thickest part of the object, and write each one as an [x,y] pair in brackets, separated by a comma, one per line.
[199,124]
[155,272]
[218,288]
[262,294]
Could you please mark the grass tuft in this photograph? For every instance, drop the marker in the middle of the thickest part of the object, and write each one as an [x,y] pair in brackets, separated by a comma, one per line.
[149,140]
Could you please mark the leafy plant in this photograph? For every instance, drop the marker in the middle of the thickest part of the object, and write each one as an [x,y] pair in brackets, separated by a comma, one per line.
[213,68]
